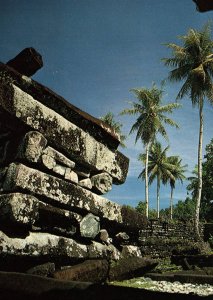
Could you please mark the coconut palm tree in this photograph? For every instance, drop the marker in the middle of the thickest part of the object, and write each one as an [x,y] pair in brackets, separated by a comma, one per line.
[177,170]
[192,62]
[109,119]
[158,168]
[152,117]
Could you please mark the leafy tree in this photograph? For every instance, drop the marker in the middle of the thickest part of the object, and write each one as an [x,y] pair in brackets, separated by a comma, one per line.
[152,117]
[177,170]
[206,209]
[193,63]
[141,208]
[184,210]
[159,168]
[109,119]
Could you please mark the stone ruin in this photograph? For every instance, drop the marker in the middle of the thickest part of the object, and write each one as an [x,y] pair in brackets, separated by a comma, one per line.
[56,162]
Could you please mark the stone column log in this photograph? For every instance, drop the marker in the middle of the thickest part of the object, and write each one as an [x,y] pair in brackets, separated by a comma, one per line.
[27,210]
[90,271]
[95,127]
[32,146]
[27,62]
[101,183]
[38,245]
[90,226]
[59,192]
[17,208]
[64,135]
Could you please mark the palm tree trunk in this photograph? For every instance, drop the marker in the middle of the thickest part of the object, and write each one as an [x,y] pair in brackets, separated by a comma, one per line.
[171,204]
[158,197]
[146,180]
[200,145]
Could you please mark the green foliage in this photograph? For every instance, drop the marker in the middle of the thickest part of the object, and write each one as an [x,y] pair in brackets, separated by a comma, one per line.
[141,208]
[206,210]
[109,119]
[192,62]
[151,114]
[184,210]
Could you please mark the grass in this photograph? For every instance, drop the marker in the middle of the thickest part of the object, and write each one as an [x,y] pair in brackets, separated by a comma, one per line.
[139,282]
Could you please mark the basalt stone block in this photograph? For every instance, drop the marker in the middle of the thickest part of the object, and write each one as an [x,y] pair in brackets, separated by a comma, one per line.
[59,191]
[64,135]
[131,267]
[38,245]
[18,208]
[131,251]
[59,157]
[27,62]
[20,213]
[101,183]
[32,146]
[90,226]
[46,270]
[95,127]
[95,270]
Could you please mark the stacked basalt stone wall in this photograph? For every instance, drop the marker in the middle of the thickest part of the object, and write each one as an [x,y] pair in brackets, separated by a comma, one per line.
[161,239]
[56,162]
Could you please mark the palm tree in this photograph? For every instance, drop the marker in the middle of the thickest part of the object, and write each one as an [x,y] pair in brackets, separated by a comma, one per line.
[177,170]
[109,119]
[193,63]
[150,121]
[158,168]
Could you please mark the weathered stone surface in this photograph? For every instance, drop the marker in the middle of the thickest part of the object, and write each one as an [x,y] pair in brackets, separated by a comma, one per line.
[122,237]
[85,183]
[104,236]
[19,176]
[58,169]
[26,210]
[46,270]
[89,271]
[18,208]
[131,267]
[90,226]
[130,251]
[48,161]
[71,175]
[27,62]
[32,146]
[38,244]
[82,171]
[95,127]
[64,135]
[59,157]
[101,183]
[97,250]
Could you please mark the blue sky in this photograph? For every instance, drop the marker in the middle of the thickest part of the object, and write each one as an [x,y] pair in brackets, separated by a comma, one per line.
[95,51]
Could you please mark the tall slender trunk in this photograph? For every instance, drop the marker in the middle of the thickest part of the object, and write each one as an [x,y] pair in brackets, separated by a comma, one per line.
[171,203]
[147,180]
[158,197]
[200,145]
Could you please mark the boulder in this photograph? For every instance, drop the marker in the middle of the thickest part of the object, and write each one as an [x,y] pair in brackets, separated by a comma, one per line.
[130,251]
[101,183]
